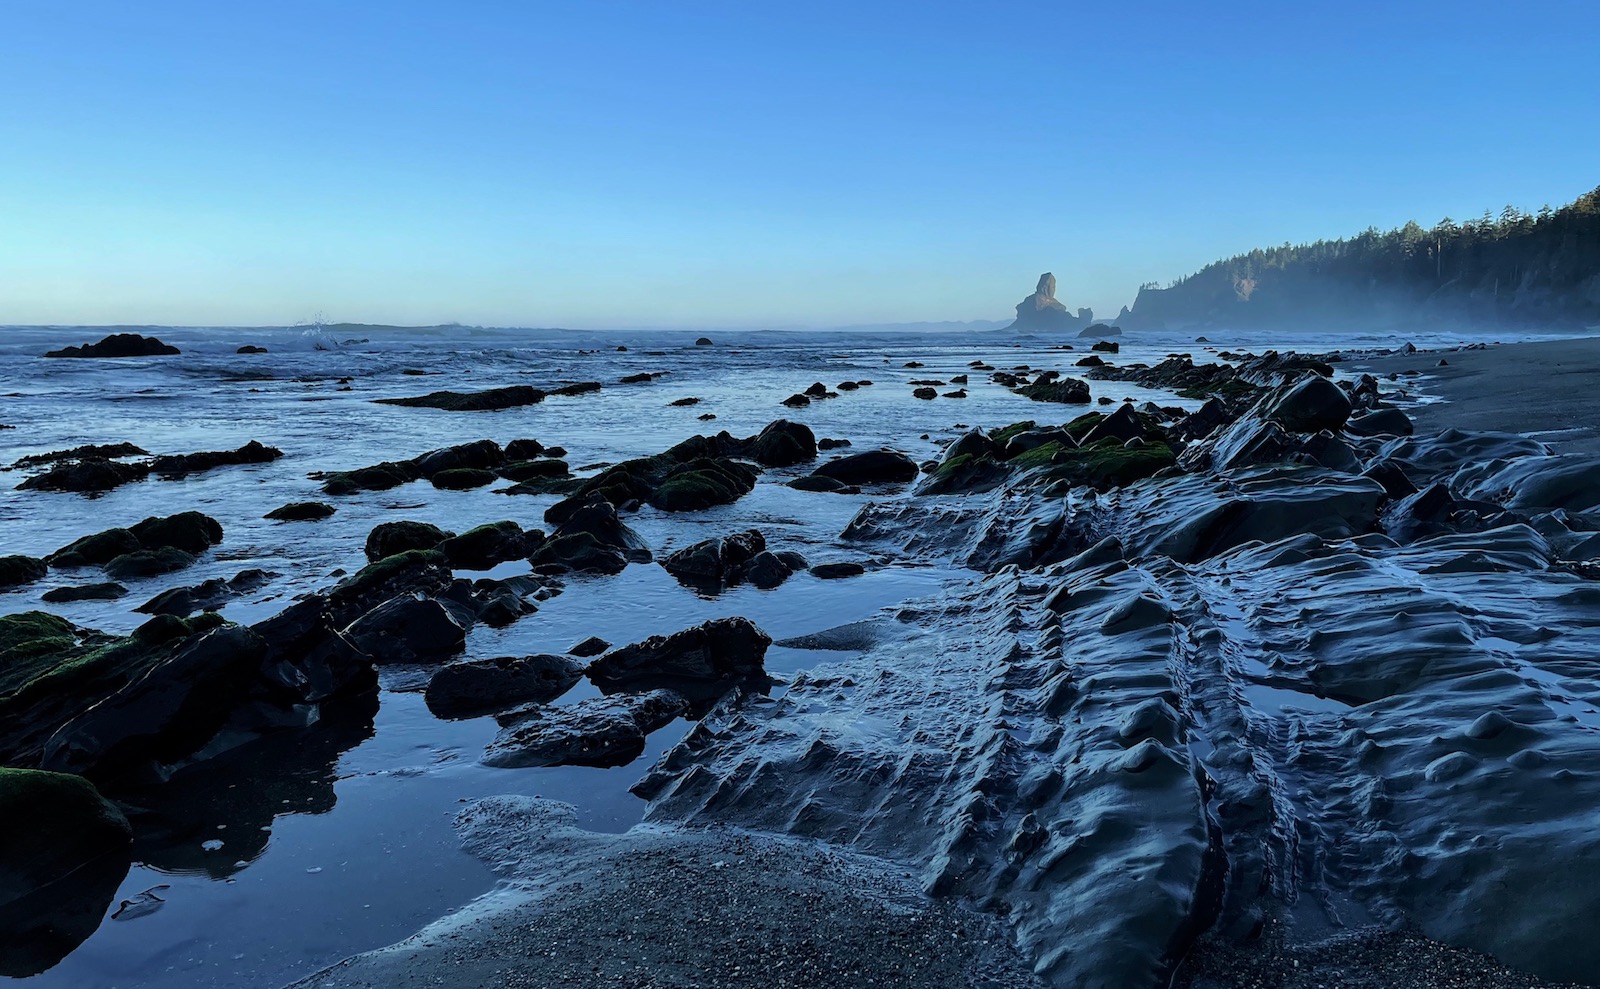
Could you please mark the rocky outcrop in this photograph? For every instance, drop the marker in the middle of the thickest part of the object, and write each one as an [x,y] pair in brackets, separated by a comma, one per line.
[1041,311]
[603,731]
[119,345]
[701,663]
[477,686]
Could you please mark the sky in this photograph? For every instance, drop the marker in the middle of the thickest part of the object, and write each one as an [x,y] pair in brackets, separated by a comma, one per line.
[613,164]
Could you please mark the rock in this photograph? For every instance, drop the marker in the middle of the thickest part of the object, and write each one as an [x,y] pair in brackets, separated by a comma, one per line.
[592,539]
[872,467]
[1099,331]
[1311,404]
[417,571]
[796,401]
[148,563]
[1041,311]
[301,511]
[408,629]
[251,348]
[90,476]
[1093,360]
[684,402]
[192,675]
[471,687]
[924,393]
[782,443]
[1381,422]
[1068,391]
[378,477]
[1107,347]
[479,455]
[812,482]
[182,465]
[463,478]
[703,342]
[817,390]
[1122,425]
[528,471]
[89,451]
[490,400]
[108,591]
[601,731]
[636,379]
[524,450]
[836,571]
[767,570]
[832,444]
[715,563]
[592,646]
[119,345]
[389,538]
[576,388]
[17,570]
[208,596]
[52,825]
[487,546]
[702,484]
[701,663]
[189,532]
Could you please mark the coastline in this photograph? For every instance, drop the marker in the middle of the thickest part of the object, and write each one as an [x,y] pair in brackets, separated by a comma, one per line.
[1545,389]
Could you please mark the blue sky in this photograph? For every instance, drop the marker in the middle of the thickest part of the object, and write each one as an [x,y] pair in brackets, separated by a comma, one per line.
[727,164]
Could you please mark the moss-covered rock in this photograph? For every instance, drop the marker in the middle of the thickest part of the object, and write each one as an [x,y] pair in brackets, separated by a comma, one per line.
[1004,434]
[301,511]
[104,591]
[378,477]
[488,546]
[1109,464]
[1066,391]
[148,563]
[463,478]
[16,571]
[192,532]
[702,484]
[152,543]
[50,825]
[529,470]
[419,571]
[388,538]
[95,550]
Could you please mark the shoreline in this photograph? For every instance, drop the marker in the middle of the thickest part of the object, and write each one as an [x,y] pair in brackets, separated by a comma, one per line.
[1537,388]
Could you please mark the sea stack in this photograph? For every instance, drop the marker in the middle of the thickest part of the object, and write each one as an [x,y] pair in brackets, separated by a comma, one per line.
[1041,311]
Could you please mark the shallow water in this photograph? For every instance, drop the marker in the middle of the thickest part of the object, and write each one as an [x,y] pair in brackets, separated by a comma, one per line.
[358,851]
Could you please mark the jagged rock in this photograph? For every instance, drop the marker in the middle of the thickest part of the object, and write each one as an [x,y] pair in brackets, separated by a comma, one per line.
[89,451]
[591,539]
[592,646]
[715,563]
[1121,425]
[1313,403]
[871,467]
[408,629]
[1107,347]
[1041,310]
[602,731]
[167,712]
[1382,422]
[783,444]
[119,345]
[471,687]
[416,571]
[208,596]
[701,662]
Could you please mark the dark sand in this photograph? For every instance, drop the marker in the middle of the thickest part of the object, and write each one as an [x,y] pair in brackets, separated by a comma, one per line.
[1550,390]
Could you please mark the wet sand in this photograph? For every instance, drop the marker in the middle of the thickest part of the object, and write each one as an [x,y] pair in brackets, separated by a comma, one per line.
[1549,389]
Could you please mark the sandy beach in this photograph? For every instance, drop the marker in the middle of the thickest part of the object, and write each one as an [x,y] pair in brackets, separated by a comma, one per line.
[1546,389]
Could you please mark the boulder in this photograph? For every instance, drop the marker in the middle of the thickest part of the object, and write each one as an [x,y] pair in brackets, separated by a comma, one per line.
[1313,403]
[208,596]
[704,661]
[388,538]
[463,478]
[107,591]
[148,563]
[1381,422]
[590,647]
[408,629]
[836,571]
[1066,391]
[251,348]
[716,563]
[782,443]
[601,731]
[487,546]
[119,345]
[301,511]
[872,467]
[89,476]
[471,687]
[591,539]
[490,400]
[17,570]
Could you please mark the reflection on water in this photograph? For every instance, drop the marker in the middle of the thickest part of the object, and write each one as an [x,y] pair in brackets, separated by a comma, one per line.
[40,929]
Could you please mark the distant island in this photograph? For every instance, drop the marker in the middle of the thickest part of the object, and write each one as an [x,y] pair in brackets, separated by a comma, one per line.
[1517,269]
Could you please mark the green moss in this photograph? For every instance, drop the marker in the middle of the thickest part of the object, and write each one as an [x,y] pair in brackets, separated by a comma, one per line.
[463,478]
[15,630]
[390,568]
[1002,436]
[95,550]
[1039,456]
[18,570]
[1108,464]
[1066,391]
[148,563]
[378,477]
[1080,427]
[42,655]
